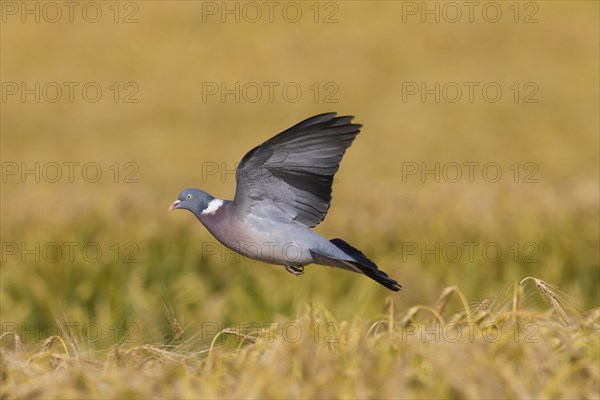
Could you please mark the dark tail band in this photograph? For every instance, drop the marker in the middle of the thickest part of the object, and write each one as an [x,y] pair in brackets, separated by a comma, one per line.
[366,266]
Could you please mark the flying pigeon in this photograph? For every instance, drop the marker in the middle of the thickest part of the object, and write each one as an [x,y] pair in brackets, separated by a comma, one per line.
[283,190]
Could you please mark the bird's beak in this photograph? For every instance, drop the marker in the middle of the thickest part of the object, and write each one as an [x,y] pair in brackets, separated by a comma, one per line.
[174,205]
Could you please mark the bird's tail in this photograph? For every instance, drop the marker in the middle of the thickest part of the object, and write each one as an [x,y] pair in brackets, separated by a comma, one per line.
[358,263]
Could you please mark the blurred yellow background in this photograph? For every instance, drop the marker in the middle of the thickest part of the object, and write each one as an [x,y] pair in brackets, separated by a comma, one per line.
[186,91]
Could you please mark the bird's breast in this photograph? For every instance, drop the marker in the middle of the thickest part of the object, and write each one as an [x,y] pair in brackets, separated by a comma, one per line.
[257,239]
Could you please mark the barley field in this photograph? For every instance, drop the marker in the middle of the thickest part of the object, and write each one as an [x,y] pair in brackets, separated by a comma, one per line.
[474,183]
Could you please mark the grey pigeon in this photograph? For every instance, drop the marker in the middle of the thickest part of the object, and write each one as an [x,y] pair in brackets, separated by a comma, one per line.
[283,190]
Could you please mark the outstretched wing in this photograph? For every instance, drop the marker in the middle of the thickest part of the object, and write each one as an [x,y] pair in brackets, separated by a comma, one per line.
[293,171]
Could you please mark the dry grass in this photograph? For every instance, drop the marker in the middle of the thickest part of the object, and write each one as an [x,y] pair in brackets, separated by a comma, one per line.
[401,355]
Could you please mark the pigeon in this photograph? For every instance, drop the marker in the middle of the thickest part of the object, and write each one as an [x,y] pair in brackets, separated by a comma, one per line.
[283,190]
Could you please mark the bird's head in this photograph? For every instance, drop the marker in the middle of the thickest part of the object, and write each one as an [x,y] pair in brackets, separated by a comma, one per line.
[194,200]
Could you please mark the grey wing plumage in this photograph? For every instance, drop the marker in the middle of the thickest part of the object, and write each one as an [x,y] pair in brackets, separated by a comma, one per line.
[293,171]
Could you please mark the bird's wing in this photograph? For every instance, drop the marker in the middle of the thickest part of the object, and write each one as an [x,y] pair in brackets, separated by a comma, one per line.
[293,171]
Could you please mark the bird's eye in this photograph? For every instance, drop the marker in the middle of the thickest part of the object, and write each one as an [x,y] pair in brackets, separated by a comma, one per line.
[189,196]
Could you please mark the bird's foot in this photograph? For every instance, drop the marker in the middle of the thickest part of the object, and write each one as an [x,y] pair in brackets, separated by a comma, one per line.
[297,270]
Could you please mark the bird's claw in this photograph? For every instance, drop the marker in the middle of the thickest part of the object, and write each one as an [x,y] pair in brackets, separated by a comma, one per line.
[297,270]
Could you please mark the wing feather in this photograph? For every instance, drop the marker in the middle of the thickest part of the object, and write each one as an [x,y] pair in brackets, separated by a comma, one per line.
[292,173]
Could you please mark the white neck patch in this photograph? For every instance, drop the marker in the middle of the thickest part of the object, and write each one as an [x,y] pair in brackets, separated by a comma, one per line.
[213,206]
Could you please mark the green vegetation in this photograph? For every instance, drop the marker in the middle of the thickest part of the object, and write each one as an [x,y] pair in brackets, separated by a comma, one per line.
[105,294]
